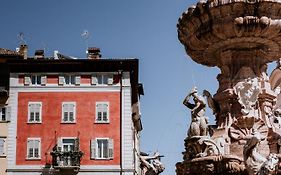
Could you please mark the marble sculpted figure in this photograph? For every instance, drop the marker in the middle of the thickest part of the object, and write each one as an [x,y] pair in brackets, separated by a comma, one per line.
[199,122]
[151,165]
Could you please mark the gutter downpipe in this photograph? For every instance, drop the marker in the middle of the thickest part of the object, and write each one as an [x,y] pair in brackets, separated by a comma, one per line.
[121,110]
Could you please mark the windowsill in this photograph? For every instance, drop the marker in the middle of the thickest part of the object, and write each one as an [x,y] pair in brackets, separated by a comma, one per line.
[34,122]
[3,156]
[34,159]
[68,122]
[101,122]
[101,158]
[4,121]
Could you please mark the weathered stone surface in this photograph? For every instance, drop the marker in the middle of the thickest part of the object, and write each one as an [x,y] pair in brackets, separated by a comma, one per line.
[239,37]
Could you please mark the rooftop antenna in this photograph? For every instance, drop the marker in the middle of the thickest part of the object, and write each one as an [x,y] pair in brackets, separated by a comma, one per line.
[45,47]
[86,36]
[21,38]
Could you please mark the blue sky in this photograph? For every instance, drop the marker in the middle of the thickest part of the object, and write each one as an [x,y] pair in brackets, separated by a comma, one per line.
[144,29]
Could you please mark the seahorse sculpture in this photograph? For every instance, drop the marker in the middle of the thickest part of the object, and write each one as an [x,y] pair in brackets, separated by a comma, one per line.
[255,163]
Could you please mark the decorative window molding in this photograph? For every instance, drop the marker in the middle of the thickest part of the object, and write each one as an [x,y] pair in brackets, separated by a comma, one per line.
[3,146]
[102,112]
[68,112]
[102,148]
[33,149]
[34,112]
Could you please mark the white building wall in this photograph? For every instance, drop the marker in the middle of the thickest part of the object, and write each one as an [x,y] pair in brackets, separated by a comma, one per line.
[127,124]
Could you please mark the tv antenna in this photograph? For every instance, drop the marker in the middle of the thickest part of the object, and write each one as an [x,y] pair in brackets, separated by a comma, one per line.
[86,36]
[21,38]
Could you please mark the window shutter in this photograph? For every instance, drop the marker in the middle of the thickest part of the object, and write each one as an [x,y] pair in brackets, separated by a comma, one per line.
[94,80]
[76,144]
[110,80]
[2,142]
[44,80]
[77,80]
[8,113]
[59,142]
[27,80]
[61,80]
[110,149]
[93,148]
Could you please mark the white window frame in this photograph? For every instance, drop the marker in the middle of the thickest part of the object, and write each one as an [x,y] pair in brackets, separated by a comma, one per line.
[97,111]
[28,79]
[29,111]
[4,153]
[62,144]
[39,149]
[74,112]
[74,80]
[102,79]
[102,157]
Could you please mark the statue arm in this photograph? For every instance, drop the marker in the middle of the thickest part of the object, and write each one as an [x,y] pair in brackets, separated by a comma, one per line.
[187,103]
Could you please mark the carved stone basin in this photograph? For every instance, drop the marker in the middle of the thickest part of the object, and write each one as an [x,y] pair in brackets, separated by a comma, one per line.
[242,27]
[212,165]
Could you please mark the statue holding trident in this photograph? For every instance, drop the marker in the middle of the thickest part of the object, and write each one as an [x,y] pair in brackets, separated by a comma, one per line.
[199,122]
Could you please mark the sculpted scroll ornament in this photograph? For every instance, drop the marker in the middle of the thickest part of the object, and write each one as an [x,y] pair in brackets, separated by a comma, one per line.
[247,92]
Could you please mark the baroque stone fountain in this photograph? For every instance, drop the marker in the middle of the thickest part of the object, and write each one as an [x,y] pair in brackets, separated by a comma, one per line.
[240,37]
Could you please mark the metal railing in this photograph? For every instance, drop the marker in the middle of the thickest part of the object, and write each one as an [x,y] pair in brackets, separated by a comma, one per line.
[67,159]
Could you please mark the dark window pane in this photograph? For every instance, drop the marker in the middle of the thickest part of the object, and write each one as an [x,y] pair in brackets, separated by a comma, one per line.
[65,116]
[104,116]
[31,116]
[3,114]
[67,81]
[33,79]
[37,117]
[105,79]
[38,79]
[36,152]
[30,152]
[71,118]
[72,79]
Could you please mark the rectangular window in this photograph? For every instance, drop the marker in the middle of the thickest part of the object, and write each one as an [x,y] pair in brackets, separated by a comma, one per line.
[102,79]
[35,79]
[69,80]
[102,112]
[68,112]
[3,114]
[102,148]
[34,112]
[68,145]
[33,148]
[2,146]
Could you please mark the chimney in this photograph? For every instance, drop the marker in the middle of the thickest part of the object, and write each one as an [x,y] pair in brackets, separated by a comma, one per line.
[39,54]
[93,53]
[23,50]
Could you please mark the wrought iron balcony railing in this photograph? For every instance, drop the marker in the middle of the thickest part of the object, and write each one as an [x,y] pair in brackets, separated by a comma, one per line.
[69,159]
